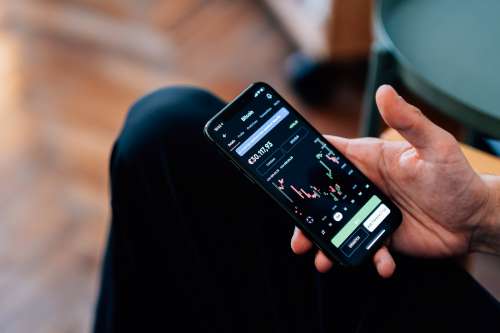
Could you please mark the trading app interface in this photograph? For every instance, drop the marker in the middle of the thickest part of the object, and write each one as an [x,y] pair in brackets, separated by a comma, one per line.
[304,173]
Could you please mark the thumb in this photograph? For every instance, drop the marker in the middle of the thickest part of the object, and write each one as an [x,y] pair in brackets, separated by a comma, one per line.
[409,121]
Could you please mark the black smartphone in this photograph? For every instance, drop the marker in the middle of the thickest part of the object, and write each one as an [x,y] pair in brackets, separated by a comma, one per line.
[329,199]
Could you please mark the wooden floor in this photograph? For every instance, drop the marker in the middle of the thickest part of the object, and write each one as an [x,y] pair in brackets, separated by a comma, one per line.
[68,72]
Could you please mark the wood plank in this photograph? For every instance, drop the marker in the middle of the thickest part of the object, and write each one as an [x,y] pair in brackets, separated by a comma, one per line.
[305,22]
[126,37]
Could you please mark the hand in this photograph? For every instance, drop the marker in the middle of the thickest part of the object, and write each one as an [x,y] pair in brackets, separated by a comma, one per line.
[441,197]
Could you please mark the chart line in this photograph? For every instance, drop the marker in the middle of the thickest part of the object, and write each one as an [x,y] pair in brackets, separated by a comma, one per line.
[297,191]
[329,173]
[284,194]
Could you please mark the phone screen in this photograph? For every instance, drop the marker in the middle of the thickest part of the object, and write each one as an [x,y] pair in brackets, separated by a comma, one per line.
[339,208]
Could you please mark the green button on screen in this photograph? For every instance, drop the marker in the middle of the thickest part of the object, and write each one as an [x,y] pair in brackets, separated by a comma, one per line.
[355,221]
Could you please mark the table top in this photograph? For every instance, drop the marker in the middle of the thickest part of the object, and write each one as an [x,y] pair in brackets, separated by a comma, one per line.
[453,46]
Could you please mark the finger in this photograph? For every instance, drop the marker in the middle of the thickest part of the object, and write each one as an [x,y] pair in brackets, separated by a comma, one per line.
[300,244]
[409,121]
[384,263]
[363,152]
[352,146]
[339,142]
[322,263]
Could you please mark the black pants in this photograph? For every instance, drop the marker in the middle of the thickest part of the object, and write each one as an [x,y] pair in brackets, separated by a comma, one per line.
[195,247]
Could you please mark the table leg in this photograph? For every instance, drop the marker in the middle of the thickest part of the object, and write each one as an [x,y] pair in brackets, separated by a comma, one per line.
[382,70]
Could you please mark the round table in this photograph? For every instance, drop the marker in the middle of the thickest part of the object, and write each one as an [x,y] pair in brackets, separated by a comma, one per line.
[445,51]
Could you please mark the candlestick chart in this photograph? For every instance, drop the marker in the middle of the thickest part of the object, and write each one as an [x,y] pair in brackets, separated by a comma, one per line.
[317,187]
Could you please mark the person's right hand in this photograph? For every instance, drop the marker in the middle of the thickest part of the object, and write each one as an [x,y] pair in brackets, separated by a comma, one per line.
[442,199]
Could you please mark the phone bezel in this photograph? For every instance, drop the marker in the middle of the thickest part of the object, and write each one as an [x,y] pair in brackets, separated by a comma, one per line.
[235,106]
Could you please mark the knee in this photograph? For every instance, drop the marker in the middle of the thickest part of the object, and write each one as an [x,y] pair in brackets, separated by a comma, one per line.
[173,115]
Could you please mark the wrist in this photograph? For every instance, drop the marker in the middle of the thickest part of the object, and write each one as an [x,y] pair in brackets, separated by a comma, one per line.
[486,235]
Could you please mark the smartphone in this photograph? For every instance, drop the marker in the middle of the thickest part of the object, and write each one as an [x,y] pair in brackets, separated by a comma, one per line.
[328,198]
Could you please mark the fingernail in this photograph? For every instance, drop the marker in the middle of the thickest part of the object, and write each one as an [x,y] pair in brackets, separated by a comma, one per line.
[383,259]
[388,86]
